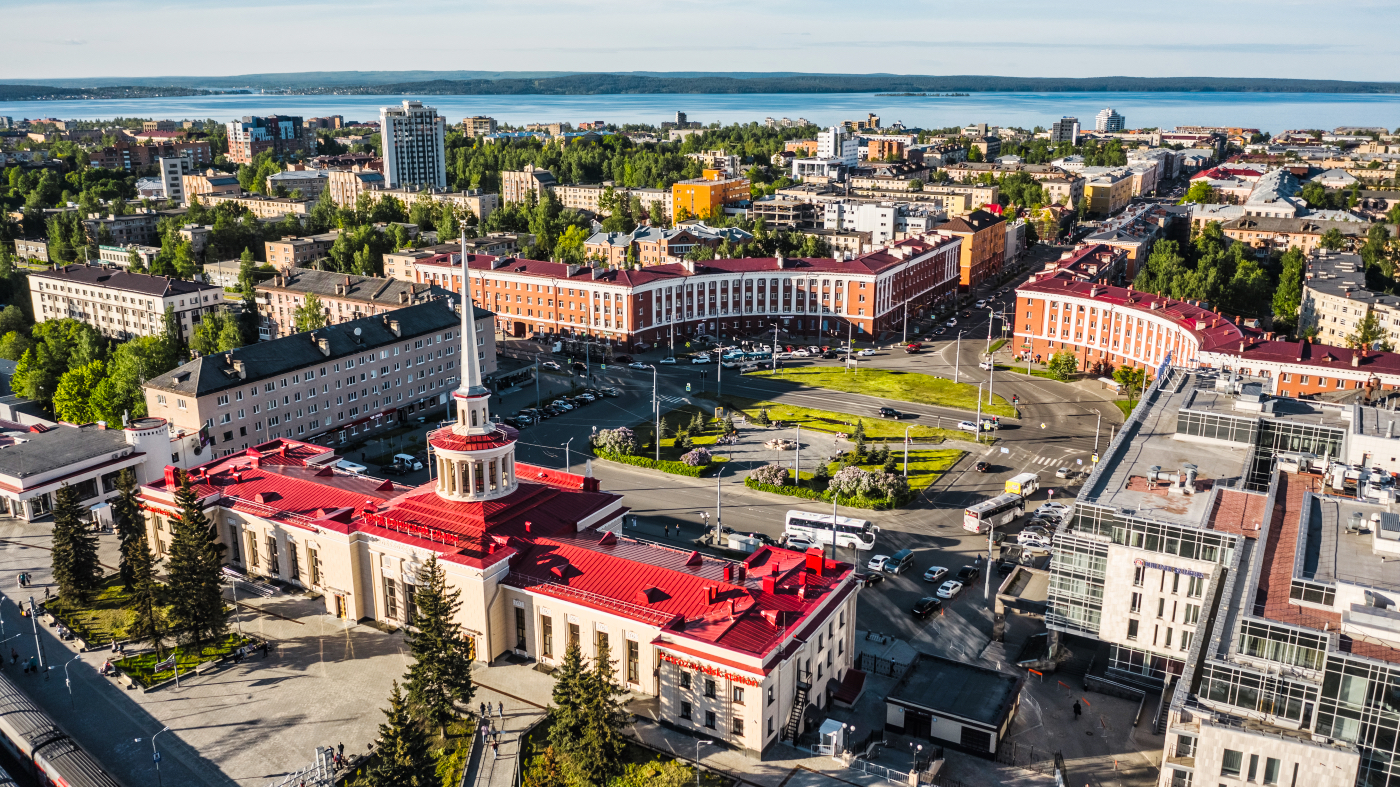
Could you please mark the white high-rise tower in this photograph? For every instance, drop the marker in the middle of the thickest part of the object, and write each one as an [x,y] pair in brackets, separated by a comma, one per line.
[413,145]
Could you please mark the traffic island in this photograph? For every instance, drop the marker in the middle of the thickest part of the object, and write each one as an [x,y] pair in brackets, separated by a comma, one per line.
[892,384]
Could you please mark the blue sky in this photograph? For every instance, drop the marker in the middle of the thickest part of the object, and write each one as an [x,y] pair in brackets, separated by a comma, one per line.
[1242,38]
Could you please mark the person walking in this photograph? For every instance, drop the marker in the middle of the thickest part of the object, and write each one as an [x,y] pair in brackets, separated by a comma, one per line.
[500,710]
[495,750]
[1076,710]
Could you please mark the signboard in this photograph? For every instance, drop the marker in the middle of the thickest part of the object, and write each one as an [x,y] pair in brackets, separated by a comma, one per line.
[1161,567]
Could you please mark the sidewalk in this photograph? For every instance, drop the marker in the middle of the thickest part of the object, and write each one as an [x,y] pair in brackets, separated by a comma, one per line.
[496,767]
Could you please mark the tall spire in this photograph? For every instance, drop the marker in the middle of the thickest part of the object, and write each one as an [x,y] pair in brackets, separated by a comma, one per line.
[471,366]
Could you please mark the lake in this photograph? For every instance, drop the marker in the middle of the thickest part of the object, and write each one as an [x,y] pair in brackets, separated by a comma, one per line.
[1273,112]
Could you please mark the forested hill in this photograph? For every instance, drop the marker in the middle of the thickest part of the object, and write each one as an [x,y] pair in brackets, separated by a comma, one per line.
[47,93]
[598,84]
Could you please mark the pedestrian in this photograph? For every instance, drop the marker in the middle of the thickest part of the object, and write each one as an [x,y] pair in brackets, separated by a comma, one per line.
[1076,709]
[264,649]
[500,710]
[340,749]
[46,594]
[14,656]
[481,710]
[495,750]
[668,529]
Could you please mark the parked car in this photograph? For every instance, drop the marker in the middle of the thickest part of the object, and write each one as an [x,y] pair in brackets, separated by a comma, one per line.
[889,412]
[409,461]
[900,562]
[878,562]
[935,574]
[950,589]
[866,353]
[927,607]
[866,579]
[799,544]
[831,355]
[1032,539]
[801,353]
[969,573]
[1059,509]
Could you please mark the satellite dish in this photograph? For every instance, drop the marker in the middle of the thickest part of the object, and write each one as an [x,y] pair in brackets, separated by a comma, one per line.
[357,331]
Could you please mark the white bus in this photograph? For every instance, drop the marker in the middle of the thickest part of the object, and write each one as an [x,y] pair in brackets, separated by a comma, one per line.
[993,513]
[817,529]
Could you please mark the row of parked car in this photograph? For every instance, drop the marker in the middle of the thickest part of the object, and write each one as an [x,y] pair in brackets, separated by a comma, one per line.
[533,415]
[1039,530]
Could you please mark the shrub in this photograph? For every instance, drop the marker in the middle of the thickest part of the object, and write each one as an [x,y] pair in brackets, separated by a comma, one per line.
[617,441]
[851,481]
[697,458]
[665,466]
[890,485]
[770,475]
[790,491]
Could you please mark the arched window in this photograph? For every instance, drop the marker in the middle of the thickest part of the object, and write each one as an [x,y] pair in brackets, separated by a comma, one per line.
[473,418]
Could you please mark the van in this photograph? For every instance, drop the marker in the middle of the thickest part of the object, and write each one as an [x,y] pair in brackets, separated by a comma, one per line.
[900,562]
[351,467]
[409,461]
[1024,484]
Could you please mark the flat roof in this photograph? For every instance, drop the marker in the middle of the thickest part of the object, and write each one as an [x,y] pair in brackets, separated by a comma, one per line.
[1317,413]
[36,453]
[1153,442]
[1328,553]
[953,688]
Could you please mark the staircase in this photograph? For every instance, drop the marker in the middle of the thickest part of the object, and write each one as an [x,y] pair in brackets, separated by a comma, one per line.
[799,705]
[1159,724]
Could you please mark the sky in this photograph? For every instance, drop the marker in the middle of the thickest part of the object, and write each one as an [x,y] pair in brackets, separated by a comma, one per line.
[1236,38]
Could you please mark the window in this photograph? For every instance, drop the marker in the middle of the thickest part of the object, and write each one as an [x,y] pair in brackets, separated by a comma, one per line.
[272,556]
[1271,769]
[770,698]
[1132,628]
[1136,605]
[519,628]
[1230,763]
[685,679]
[1253,766]
[770,718]
[252,547]
[391,599]
[573,634]
[738,726]
[685,710]
[709,687]
[709,719]
[1161,607]
[1195,587]
[1139,573]
[313,559]
[633,662]
[738,695]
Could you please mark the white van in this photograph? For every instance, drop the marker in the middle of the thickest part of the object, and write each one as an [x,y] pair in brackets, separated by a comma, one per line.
[407,460]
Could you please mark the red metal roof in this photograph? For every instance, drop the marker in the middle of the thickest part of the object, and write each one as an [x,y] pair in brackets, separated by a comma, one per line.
[1320,356]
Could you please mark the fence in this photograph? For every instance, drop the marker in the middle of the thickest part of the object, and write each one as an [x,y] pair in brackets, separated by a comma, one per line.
[1042,761]
[319,774]
[888,774]
[876,665]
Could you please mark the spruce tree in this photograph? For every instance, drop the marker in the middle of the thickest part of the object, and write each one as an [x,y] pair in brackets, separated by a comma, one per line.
[442,668]
[129,523]
[75,566]
[404,758]
[596,755]
[194,568]
[565,715]
[148,620]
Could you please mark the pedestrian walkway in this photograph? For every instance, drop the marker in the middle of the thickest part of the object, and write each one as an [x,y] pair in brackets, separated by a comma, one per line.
[511,713]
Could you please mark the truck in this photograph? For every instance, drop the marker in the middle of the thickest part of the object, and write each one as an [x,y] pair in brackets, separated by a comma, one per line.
[1024,484]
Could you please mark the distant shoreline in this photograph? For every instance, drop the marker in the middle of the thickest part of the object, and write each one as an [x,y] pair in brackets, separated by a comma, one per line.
[423,83]
[924,95]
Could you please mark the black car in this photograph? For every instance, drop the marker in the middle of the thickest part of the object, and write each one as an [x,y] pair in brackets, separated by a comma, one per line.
[622,359]
[889,412]
[865,579]
[968,573]
[982,467]
[831,355]
[578,367]
[926,607]
[393,469]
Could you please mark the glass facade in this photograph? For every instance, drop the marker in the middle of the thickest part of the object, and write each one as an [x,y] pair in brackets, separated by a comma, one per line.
[1274,695]
[1153,536]
[1361,703]
[1214,426]
[1261,640]
[1076,584]
[1276,435]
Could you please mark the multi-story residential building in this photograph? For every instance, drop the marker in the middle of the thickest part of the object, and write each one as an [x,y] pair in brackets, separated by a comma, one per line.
[658,245]
[39,460]
[478,126]
[1066,129]
[130,156]
[138,228]
[1109,192]
[310,182]
[32,249]
[989,147]
[844,244]
[289,252]
[707,196]
[172,173]
[520,186]
[346,186]
[1108,120]
[261,206]
[403,264]
[783,212]
[211,181]
[1092,262]
[120,256]
[1065,191]
[649,305]
[330,122]
[121,304]
[413,145]
[586,197]
[158,125]
[510,529]
[342,380]
[1138,227]
[478,202]
[343,298]
[1281,234]
[885,221]
[1335,300]
[285,136]
[974,170]
[836,143]
[983,251]
[879,149]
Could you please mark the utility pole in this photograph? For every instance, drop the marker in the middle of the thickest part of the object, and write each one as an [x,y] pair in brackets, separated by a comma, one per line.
[656,405]
[987,570]
[979,413]
[1097,423]
[906,450]
[957,362]
[906,322]
[775,348]
[719,508]
[537,380]
[797,459]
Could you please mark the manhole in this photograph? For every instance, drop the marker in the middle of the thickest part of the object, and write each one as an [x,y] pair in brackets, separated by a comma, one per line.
[1088,732]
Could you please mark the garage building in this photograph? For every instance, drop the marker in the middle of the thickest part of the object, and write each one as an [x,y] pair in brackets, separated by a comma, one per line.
[954,703]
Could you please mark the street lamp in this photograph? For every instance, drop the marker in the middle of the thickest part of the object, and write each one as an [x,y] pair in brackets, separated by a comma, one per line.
[906,449]
[155,755]
[656,406]
[957,358]
[698,744]
[67,681]
[567,463]
[991,315]
[914,766]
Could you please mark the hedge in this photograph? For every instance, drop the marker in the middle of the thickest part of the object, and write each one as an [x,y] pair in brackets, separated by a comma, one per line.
[859,501]
[665,465]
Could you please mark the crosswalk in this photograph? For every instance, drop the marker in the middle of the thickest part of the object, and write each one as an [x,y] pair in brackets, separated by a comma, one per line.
[666,399]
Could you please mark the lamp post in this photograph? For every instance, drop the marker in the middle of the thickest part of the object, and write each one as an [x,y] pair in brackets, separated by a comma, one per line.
[698,744]
[719,507]
[957,358]
[979,413]
[567,464]
[906,449]
[991,367]
[67,681]
[916,748]
[155,755]
[656,406]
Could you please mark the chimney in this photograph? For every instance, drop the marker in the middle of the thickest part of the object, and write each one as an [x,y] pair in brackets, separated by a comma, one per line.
[728,573]
[394,326]
[1237,319]
[172,476]
[689,266]
[1390,429]
[241,369]
[325,345]
[403,296]
[815,561]
[770,584]
[781,263]
[347,281]
[1356,359]
[1241,346]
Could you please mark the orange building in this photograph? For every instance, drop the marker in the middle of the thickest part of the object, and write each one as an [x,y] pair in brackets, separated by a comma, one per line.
[882,149]
[984,245]
[707,196]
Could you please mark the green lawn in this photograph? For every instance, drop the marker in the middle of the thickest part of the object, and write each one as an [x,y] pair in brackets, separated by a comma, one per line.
[104,619]
[926,465]
[1022,370]
[998,344]
[876,429]
[670,420]
[1126,406]
[890,384]
[142,667]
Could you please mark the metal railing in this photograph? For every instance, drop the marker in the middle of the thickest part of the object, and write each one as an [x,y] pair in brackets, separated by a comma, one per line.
[321,773]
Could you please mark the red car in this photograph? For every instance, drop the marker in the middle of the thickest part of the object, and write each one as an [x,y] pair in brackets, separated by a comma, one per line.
[913,347]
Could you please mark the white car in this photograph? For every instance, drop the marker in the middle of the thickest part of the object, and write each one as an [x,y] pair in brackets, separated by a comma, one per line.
[952,323]
[700,359]
[668,360]
[967,426]
[878,562]
[985,366]
[1058,509]
[801,354]
[782,356]
[551,365]
[1035,540]
[866,353]
[935,573]
[637,365]
[981,304]
[1062,472]
[949,589]
[799,544]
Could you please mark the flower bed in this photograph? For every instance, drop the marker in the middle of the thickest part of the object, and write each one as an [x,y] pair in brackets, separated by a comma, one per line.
[665,466]
[141,667]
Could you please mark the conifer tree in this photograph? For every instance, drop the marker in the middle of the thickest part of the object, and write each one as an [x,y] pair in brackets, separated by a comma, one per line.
[442,669]
[75,566]
[128,522]
[148,620]
[566,719]
[404,758]
[596,755]
[194,568]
